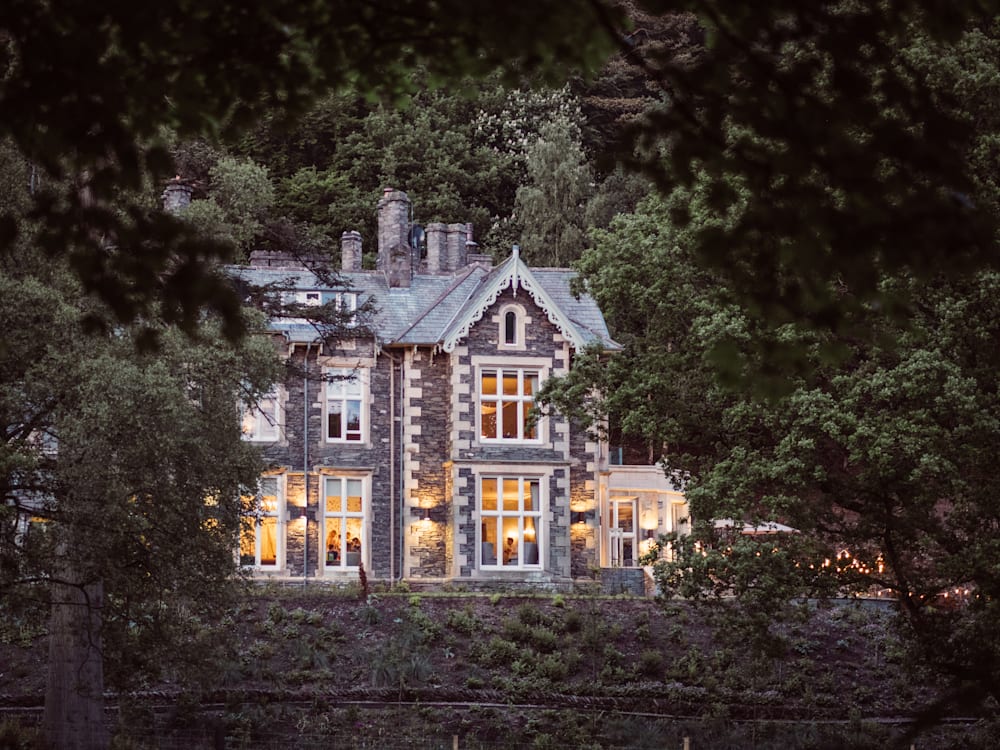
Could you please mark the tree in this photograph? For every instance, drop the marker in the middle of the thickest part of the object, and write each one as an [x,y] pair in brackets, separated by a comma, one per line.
[123,477]
[665,310]
[551,205]
[460,151]
[870,432]
[132,471]
[880,455]
[847,161]
[239,203]
[91,92]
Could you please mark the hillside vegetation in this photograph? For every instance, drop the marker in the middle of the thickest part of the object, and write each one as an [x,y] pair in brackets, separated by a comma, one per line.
[331,668]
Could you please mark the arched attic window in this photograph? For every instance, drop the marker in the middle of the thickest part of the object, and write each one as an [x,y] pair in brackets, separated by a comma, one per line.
[511,333]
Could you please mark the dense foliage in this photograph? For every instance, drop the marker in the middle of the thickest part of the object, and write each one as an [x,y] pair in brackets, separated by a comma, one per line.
[873,435]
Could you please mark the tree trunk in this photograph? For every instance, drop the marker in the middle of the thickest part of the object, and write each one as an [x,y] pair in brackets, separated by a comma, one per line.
[74,698]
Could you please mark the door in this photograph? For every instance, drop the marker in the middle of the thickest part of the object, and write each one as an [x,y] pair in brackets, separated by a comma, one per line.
[622,532]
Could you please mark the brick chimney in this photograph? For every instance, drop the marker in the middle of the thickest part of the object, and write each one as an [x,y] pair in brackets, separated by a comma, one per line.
[350,251]
[177,195]
[437,247]
[395,256]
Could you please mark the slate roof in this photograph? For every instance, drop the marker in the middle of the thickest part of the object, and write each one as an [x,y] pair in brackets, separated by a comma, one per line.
[438,309]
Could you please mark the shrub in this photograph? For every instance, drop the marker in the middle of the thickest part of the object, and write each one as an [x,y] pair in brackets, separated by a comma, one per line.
[651,664]
[572,622]
[553,667]
[496,652]
[543,639]
[464,621]
[276,613]
[529,614]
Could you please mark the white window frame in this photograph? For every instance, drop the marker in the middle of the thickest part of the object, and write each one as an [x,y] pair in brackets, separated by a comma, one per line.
[341,481]
[530,523]
[257,516]
[518,344]
[262,422]
[499,399]
[347,301]
[339,392]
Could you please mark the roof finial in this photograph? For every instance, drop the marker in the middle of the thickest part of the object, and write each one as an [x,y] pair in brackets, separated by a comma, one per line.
[516,271]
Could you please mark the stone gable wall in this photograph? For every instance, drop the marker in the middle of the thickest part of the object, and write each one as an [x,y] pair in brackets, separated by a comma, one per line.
[557,454]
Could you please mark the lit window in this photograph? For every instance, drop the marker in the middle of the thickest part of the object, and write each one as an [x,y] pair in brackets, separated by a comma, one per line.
[345,395]
[261,540]
[344,527]
[505,400]
[260,422]
[510,522]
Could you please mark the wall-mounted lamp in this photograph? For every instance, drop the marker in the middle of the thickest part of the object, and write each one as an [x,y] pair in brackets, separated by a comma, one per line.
[578,516]
[295,512]
[426,516]
[651,533]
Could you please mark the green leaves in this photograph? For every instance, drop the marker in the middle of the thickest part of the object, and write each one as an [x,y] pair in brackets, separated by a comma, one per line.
[849,165]
[132,460]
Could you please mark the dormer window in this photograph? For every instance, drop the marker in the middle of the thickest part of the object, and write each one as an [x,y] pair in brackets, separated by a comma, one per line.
[346,301]
[511,334]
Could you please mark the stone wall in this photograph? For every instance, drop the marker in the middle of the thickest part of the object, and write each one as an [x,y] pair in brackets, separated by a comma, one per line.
[436,394]
[304,394]
[623,581]
[426,431]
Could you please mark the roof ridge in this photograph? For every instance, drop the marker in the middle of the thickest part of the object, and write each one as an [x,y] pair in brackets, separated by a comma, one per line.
[440,298]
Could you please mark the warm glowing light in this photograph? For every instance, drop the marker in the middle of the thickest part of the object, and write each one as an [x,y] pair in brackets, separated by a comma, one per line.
[529,530]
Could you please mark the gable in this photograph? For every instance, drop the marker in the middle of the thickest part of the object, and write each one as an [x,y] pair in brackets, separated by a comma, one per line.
[513,274]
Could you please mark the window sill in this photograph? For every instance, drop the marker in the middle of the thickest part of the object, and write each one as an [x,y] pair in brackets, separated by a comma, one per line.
[509,441]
